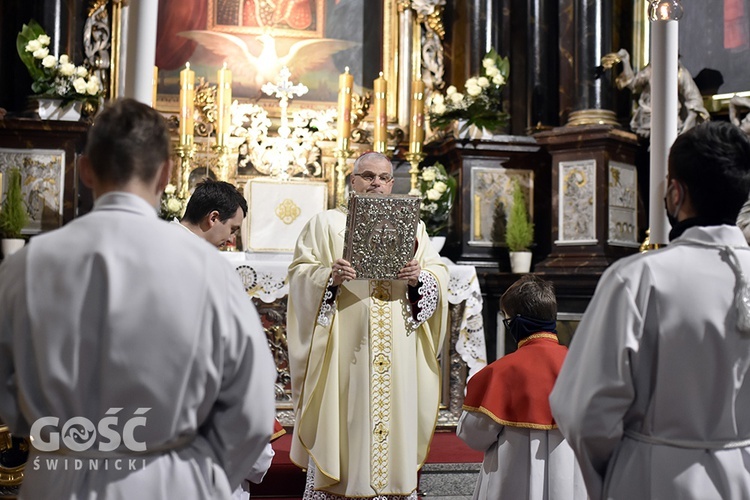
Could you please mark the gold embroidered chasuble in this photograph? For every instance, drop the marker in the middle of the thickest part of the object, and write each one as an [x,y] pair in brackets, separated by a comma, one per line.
[365,376]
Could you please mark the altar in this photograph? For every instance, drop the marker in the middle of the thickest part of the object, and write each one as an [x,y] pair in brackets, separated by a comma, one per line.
[264,276]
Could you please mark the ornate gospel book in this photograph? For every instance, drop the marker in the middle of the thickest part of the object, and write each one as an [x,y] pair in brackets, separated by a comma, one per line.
[381,231]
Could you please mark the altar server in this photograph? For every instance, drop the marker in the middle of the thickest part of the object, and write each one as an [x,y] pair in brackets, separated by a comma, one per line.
[654,395]
[506,409]
[363,357]
[128,349]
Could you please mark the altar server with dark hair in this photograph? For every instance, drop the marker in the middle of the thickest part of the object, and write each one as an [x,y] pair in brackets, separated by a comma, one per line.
[654,396]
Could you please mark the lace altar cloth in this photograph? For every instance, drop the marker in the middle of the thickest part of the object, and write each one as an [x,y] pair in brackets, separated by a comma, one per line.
[264,277]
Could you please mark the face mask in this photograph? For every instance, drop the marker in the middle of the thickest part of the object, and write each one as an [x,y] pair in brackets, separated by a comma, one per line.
[672,217]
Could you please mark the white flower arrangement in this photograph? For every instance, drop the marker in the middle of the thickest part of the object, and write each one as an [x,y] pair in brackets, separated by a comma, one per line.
[481,104]
[172,205]
[438,192]
[54,78]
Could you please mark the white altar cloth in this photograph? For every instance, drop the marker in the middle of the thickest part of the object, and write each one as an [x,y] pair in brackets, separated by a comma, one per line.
[264,276]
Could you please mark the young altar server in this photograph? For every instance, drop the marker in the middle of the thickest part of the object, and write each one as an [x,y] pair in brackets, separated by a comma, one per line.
[506,409]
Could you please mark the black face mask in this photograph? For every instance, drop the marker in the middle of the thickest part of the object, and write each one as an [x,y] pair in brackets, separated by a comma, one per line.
[521,327]
[670,217]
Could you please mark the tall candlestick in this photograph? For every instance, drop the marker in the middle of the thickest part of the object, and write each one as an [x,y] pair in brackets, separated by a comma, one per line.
[187,105]
[154,86]
[380,133]
[416,130]
[223,104]
[346,81]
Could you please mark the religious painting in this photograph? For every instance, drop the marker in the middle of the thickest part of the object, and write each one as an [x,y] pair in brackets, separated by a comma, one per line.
[718,58]
[492,200]
[623,205]
[278,211]
[315,39]
[577,224]
[42,184]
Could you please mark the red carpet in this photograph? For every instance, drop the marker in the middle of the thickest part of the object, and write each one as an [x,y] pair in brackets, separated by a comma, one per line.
[284,480]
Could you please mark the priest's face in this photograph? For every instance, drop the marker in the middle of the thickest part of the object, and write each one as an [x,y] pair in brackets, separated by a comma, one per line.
[220,231]
[375,176]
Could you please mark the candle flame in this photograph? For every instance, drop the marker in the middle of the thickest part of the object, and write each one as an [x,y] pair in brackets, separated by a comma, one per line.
[187,65]
[381,74]
[224,65]
[346,69]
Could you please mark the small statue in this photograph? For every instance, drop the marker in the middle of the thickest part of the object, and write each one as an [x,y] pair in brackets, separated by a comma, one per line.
[739,112]
[691,112]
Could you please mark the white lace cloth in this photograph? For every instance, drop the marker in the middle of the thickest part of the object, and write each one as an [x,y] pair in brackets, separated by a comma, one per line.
[264,276]
[464,287]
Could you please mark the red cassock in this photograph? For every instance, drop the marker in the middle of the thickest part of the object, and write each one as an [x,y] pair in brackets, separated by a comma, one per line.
[514,390]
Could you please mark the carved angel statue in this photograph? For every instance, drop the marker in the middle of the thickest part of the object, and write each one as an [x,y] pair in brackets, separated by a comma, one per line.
[258,59]
[691,112]
[739,112]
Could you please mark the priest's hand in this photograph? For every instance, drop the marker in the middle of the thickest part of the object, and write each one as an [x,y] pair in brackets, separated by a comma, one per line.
[342,271]
[410,272]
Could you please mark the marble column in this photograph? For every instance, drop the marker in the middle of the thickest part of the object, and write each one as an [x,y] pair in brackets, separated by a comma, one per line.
[484,18]
[593,91]
[541,43]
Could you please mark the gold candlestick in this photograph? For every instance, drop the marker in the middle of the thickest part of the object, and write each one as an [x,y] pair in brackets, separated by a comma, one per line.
[222,161]
[342,154]
[477,217]
[414,159]
[185,152]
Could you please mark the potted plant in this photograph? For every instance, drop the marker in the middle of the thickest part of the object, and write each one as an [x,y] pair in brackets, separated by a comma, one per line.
[519,233]
[13,216]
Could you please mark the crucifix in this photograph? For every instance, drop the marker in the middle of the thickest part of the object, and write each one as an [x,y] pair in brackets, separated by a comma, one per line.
[284,90]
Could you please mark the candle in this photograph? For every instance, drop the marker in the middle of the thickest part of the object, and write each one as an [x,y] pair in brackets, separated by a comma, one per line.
[346,80]
[416,130]
[187,104]
[477,217]
[154,86]
[224,104]
[380,134]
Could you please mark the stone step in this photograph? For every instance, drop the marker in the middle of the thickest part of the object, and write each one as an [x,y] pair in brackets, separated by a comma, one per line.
[448,480]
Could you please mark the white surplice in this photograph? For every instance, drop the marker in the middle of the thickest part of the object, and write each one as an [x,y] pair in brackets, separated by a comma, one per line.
[119,309]
[521,463]
[658,355]
[365,378]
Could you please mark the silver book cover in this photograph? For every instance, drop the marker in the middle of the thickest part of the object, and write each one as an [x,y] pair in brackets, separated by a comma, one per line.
[381,231]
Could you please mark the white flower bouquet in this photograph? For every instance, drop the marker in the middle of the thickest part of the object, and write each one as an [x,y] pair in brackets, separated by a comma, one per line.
[481,104]
[171,205]
[438,192]
[54,78]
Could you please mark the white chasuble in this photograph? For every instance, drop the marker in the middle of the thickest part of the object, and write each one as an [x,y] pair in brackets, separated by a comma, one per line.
[365,374]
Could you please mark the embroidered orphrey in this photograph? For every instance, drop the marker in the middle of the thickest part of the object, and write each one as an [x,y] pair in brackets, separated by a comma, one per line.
[380,385]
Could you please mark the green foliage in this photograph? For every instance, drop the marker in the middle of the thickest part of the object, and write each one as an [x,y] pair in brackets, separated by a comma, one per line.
[13,216]
[519,234]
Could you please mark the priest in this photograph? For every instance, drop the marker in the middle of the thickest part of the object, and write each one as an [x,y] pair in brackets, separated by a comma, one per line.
[363,357]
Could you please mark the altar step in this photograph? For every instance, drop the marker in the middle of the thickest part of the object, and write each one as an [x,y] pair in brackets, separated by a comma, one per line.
[450,472]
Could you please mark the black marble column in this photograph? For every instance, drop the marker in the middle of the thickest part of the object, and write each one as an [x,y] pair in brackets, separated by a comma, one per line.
[484,18]
[542,67]
[593,24]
